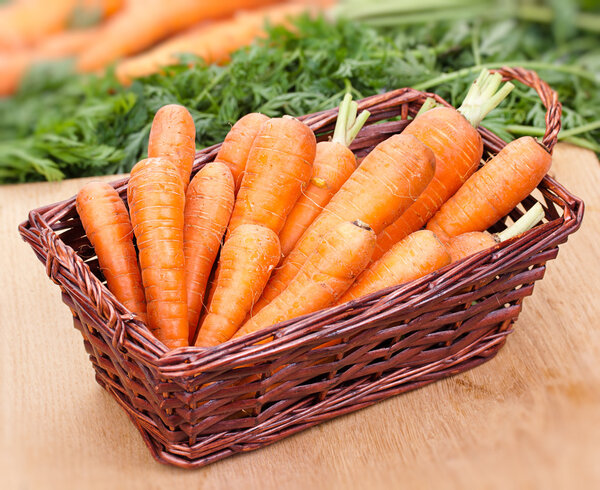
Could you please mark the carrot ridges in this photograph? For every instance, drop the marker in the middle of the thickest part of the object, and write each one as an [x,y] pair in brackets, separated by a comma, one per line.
[106,222]
[248,257]
[208,205]
[156,203]
[342,255]
[173,136]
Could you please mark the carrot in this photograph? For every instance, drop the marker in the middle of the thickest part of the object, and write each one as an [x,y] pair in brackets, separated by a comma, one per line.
[237,144]
[334,162]
[249,248]
[27,23]
[494,190]
[156,204]
[208,205]
[325,276]
[65,43]
[144,22]
[279,166]
[415,256]
[173,135]
[106,223]
[213,42]
[457,147]
[469,243]
[385,184]
[14,65]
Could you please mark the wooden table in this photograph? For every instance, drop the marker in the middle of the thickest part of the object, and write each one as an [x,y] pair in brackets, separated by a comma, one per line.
[530,418]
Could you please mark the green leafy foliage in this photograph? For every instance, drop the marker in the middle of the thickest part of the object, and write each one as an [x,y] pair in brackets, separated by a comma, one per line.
[63,125]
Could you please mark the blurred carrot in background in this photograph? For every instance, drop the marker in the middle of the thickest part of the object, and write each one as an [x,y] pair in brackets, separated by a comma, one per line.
[14,65]
[213,42]
[144,22]
[80,29]
[27,22]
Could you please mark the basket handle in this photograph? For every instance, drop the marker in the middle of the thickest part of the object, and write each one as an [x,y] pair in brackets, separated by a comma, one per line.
[547,95]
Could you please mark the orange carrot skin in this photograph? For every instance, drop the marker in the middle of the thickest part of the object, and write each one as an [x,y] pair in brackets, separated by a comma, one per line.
[142,23]
[416,256]
[173,135]
[238,142]
[106,222]
[156,205]
[279,166]
[213,42]
[14,65]
[334,163]
[385,184]
[494,190]
[328,273]
[458,148]
[469,243]
[247,259]
[208,205]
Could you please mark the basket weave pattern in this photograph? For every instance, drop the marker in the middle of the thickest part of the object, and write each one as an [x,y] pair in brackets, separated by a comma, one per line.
[195,405]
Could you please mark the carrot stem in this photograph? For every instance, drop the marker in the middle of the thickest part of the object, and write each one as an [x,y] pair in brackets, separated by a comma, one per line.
[484,95]
[523,224]
[357,126]
[584,128]
[529,65]
[583,143]
[568,136]
[352,111]
[429,103]
[348,125]
[339,133]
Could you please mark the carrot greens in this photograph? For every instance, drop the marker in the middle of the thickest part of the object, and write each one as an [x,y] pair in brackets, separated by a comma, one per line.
[61,125]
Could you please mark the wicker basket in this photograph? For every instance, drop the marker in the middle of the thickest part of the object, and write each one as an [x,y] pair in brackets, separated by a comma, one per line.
[195,405]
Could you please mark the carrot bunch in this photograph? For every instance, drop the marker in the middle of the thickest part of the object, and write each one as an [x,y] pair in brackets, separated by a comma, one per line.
[452,136]
[142,36]
[279,226]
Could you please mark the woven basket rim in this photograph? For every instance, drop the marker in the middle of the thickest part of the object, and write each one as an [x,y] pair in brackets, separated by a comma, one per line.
[186,361]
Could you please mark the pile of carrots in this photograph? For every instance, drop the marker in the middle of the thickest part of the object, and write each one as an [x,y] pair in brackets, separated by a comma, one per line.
[139,36]
[279,225]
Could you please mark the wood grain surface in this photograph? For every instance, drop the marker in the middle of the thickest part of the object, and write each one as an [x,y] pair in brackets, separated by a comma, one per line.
[530,418]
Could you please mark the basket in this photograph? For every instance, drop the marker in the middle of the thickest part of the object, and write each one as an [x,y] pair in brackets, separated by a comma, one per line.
[194,406]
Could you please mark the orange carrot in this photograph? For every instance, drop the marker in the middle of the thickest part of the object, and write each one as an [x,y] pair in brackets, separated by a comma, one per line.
[173,135]
[156,204]
[213,42]
[325,276]
[457,147]
[144,22]
[106,223]
[208,205]
[416,256]
[14,65]
[334,162]
[65,44]
[469,243]
[237,144]
[249,248]
[494,190]
[279,166]
[385,184]
[26,23]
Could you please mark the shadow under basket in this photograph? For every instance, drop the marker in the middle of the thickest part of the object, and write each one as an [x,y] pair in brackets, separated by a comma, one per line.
[194,406]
